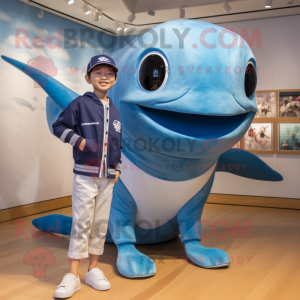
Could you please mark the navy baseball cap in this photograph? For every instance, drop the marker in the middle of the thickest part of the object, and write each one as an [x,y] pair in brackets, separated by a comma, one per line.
[101,60]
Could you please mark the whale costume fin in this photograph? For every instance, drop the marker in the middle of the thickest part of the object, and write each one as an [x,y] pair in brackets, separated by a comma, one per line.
[59,93]
[57,223]
[245,164]
[189,221]
[131,262]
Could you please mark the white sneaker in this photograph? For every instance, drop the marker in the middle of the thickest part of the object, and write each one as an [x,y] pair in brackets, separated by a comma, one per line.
[97,280]
[69,285]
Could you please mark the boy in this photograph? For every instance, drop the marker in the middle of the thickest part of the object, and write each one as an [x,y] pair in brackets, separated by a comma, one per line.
[91,124]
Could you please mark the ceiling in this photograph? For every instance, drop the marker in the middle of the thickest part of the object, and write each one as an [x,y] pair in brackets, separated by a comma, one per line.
[139,6]
[165,10]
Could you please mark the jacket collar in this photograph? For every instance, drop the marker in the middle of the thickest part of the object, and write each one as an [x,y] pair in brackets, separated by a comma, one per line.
[95,98]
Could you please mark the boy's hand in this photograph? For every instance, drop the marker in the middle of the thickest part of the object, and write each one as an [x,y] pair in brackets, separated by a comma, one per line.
[117,177]
[82,144]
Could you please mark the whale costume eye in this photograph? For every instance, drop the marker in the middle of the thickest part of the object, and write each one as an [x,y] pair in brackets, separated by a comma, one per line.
[250,79]
[153,71]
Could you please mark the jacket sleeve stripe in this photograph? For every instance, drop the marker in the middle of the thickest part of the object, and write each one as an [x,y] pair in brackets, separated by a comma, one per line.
[64,134]
[118,167]
[74,138]
[69,136]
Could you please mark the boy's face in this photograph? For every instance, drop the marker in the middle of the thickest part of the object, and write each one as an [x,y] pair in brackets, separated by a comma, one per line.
[102,78]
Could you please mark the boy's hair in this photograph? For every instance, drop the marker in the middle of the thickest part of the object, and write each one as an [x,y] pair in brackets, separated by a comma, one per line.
[89,73]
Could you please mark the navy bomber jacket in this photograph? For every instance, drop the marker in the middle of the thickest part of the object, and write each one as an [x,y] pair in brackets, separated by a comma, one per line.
[84,117]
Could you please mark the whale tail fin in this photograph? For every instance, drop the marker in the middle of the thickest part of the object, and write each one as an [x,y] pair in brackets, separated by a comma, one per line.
[55,223]
[245,164]
[61,224]
[58,92]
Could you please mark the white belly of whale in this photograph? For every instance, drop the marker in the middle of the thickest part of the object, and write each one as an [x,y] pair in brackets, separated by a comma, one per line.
[157,200]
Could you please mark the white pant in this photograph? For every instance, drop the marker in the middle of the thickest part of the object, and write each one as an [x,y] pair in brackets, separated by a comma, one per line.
[91,202]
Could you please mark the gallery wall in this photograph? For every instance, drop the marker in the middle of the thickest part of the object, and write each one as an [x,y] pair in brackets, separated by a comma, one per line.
[36,166]
[275,46]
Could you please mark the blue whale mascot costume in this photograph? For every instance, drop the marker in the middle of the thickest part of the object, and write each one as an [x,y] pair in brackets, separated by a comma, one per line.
[185,99]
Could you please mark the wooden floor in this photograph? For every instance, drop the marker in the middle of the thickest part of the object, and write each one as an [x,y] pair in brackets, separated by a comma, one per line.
[265,263]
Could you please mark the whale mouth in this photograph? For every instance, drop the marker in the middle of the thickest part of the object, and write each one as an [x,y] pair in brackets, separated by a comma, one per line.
[195,125]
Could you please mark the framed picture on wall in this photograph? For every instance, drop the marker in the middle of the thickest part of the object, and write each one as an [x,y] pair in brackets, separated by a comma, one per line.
[266,104]
[260,138]
[288,103]
[288,138]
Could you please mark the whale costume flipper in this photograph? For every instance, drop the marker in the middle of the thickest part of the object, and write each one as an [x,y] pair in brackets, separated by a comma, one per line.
[235,161]
[57,223]
[130,262]
[189,220]
[245,164]
[126,232]
[59,93]
[52,112]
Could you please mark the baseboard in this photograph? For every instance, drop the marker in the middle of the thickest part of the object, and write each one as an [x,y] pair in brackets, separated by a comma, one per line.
[270,202]
[34,208]
[53,204]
